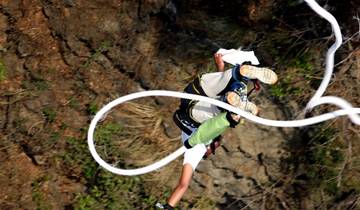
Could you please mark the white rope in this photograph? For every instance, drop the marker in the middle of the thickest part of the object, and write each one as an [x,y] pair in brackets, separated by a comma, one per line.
[316,100]
[131,172]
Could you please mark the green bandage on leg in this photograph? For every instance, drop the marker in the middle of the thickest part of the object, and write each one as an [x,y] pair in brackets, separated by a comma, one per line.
[209,130]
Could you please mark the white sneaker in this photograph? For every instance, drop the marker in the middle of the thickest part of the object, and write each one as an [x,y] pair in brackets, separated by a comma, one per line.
[159,206]
[265,75]
[165,207]
[249,107]
[234,99]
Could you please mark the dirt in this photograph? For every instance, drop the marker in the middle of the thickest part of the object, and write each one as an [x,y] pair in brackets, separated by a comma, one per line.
[62,57]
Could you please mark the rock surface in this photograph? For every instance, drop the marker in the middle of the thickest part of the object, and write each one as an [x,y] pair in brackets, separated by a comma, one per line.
[61,56]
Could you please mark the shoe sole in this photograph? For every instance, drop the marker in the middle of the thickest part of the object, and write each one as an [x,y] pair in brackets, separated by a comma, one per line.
[249,107]
[234,100]
[265,75]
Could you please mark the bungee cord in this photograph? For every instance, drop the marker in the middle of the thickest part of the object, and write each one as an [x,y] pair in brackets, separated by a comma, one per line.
[316,100]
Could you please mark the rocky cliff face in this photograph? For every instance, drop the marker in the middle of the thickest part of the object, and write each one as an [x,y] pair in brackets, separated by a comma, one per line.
[64,59]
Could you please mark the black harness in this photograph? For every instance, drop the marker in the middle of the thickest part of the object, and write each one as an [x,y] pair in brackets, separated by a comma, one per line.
[186,105]
[183,117]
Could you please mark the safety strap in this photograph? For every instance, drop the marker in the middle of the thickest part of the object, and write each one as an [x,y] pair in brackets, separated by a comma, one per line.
[256,86]
[181,122]
[195,87]
[186,105]
[213,146]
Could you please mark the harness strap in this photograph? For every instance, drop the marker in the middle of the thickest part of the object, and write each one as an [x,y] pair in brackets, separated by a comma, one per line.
[213,144]
[181,123]
[256,87]
[187,105]
[197,87]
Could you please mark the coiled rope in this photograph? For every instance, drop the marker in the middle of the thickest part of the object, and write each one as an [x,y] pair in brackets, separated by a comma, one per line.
[316,100]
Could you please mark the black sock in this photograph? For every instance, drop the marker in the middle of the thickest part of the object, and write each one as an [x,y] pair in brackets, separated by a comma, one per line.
[168,207]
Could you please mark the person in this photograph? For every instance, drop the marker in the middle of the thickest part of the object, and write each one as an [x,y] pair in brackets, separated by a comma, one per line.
[202,123]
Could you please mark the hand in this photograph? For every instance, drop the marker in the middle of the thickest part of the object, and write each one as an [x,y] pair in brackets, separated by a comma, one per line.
[219,61]
[258,113]
[236,117]
[210,149]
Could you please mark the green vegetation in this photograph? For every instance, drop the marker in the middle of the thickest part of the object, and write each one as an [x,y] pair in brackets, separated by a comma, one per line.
[104,46]
[205,203]
[74,103]
[104,189]
[285,88]
[38,196]
[63,126]
[292,85]
[92,108]
[49,113]
[320,171]
[37,82]
[304,66]
[105,136]
[322,160]
[41,85]
[319,166]
[2,71]
[292,3]
[54,137]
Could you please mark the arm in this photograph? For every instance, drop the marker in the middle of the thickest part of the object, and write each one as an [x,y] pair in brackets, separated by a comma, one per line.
[211,129]
[219,62]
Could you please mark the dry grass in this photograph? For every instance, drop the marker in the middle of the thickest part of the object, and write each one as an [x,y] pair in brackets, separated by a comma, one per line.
[140,142]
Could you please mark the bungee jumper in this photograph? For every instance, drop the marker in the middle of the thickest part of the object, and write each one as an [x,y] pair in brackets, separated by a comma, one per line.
[202,123]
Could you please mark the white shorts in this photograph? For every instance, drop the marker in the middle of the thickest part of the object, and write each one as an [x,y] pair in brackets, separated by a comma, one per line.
[194,155]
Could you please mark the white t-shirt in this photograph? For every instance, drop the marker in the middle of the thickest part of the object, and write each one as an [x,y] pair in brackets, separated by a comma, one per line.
[203,111]
[214,83]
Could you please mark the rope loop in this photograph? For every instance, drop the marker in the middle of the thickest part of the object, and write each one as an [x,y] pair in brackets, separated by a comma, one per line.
[316,100]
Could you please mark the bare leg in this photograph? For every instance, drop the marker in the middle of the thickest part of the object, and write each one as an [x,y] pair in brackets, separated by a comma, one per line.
[182,186]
